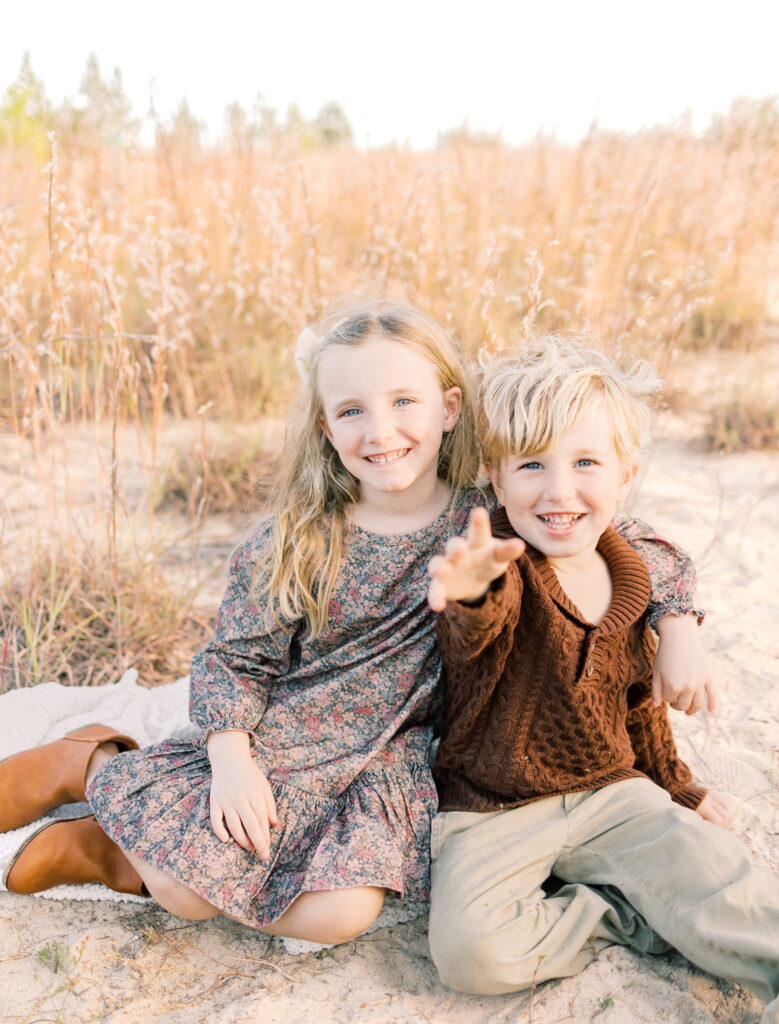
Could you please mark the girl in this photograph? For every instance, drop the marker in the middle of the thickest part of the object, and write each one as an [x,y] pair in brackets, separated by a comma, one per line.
[310,792]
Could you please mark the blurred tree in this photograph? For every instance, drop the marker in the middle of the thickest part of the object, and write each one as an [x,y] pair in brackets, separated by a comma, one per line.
[748,120]
[185,128]
[248,130]
[25,116]
[464,135]
[294,122]
[331,126]
[101,110]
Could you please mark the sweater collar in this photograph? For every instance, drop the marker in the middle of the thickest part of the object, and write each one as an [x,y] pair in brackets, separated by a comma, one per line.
[630,583]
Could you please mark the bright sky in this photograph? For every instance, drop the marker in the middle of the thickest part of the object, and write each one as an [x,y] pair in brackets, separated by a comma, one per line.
[408,69]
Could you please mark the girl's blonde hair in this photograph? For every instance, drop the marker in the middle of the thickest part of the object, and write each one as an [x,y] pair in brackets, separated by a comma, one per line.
[529,400]
[315,491]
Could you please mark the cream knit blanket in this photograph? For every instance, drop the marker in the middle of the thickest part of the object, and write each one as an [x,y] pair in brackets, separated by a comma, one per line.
[39,714]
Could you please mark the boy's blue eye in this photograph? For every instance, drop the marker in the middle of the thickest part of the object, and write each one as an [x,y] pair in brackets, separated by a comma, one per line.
[585,462]
[403,401]
[529,465]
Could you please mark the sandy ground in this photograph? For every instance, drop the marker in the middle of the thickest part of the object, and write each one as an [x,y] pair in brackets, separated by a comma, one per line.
[87,961]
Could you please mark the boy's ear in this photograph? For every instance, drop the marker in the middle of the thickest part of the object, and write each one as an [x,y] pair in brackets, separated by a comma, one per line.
[453,403]
[493,472]
[628,478]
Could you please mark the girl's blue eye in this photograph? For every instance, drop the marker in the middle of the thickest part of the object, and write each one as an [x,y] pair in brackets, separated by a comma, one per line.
[348,412]
[585,462]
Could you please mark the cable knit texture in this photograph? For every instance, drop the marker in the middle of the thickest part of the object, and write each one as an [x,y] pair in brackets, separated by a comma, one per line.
[540,702]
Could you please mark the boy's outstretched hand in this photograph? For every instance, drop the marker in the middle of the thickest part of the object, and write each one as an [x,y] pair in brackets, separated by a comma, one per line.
[470,563]
[716,807]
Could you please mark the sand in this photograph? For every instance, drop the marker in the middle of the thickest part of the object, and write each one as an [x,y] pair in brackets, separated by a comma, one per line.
[87,961]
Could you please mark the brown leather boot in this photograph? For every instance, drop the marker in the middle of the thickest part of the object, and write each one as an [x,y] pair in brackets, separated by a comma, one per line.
[73,852]
[34,781]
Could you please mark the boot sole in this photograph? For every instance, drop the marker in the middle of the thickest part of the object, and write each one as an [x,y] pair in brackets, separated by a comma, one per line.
[29,839]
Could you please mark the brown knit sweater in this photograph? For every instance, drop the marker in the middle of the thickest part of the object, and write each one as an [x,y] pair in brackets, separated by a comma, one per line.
[539,701]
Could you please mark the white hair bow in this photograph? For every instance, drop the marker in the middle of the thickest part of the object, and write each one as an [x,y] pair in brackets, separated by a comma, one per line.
[308,342]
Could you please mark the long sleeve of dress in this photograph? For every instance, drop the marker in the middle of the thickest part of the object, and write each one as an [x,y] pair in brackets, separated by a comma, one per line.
[231,677]
[671,571]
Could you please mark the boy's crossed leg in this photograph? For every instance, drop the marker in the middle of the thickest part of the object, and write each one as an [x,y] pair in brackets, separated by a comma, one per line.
[638,867]
[493,929]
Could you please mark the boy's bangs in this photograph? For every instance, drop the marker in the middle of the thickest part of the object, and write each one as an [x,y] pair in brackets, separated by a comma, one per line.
[525,420]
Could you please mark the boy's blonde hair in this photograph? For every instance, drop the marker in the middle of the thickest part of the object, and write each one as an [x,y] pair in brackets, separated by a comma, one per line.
[530,399]
[316,491]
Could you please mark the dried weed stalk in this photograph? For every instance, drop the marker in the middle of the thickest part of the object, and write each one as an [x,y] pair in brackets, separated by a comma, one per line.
[140,286]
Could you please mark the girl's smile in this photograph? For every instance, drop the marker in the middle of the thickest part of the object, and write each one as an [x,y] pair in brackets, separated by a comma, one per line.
[385,415]
[389,456]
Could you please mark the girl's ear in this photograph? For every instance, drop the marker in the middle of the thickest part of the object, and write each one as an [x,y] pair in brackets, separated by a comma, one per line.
[628,477]
[493,472]
[325,429]
[453,403]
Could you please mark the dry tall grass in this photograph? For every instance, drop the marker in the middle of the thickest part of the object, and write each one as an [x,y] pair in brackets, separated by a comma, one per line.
[138,288]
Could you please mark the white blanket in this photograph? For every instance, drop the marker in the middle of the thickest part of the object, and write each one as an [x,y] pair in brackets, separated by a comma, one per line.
[39,714]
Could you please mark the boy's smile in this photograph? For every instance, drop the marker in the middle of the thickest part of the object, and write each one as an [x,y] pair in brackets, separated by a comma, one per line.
[559,522]
[561,500]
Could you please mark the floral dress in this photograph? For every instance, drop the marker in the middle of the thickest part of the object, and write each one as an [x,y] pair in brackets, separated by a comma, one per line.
[341,724]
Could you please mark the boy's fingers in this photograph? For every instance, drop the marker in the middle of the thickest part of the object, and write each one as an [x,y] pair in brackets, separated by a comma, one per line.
[479,531]
[436,596]
[455,546]
[711,691]
[508,550]
[441,566]
[436,565]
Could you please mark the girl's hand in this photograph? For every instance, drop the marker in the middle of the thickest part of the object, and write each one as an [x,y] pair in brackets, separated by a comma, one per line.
[717,808]
[471,563]
[683,673]
[242,804]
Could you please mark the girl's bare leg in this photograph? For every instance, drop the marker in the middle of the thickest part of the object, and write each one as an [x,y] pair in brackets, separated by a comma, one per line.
[330,916]
[102,754]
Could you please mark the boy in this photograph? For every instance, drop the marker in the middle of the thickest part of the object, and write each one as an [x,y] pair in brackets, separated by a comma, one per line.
[567,821]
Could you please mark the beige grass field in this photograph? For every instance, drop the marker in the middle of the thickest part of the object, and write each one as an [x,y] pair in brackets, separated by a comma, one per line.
[149,302]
